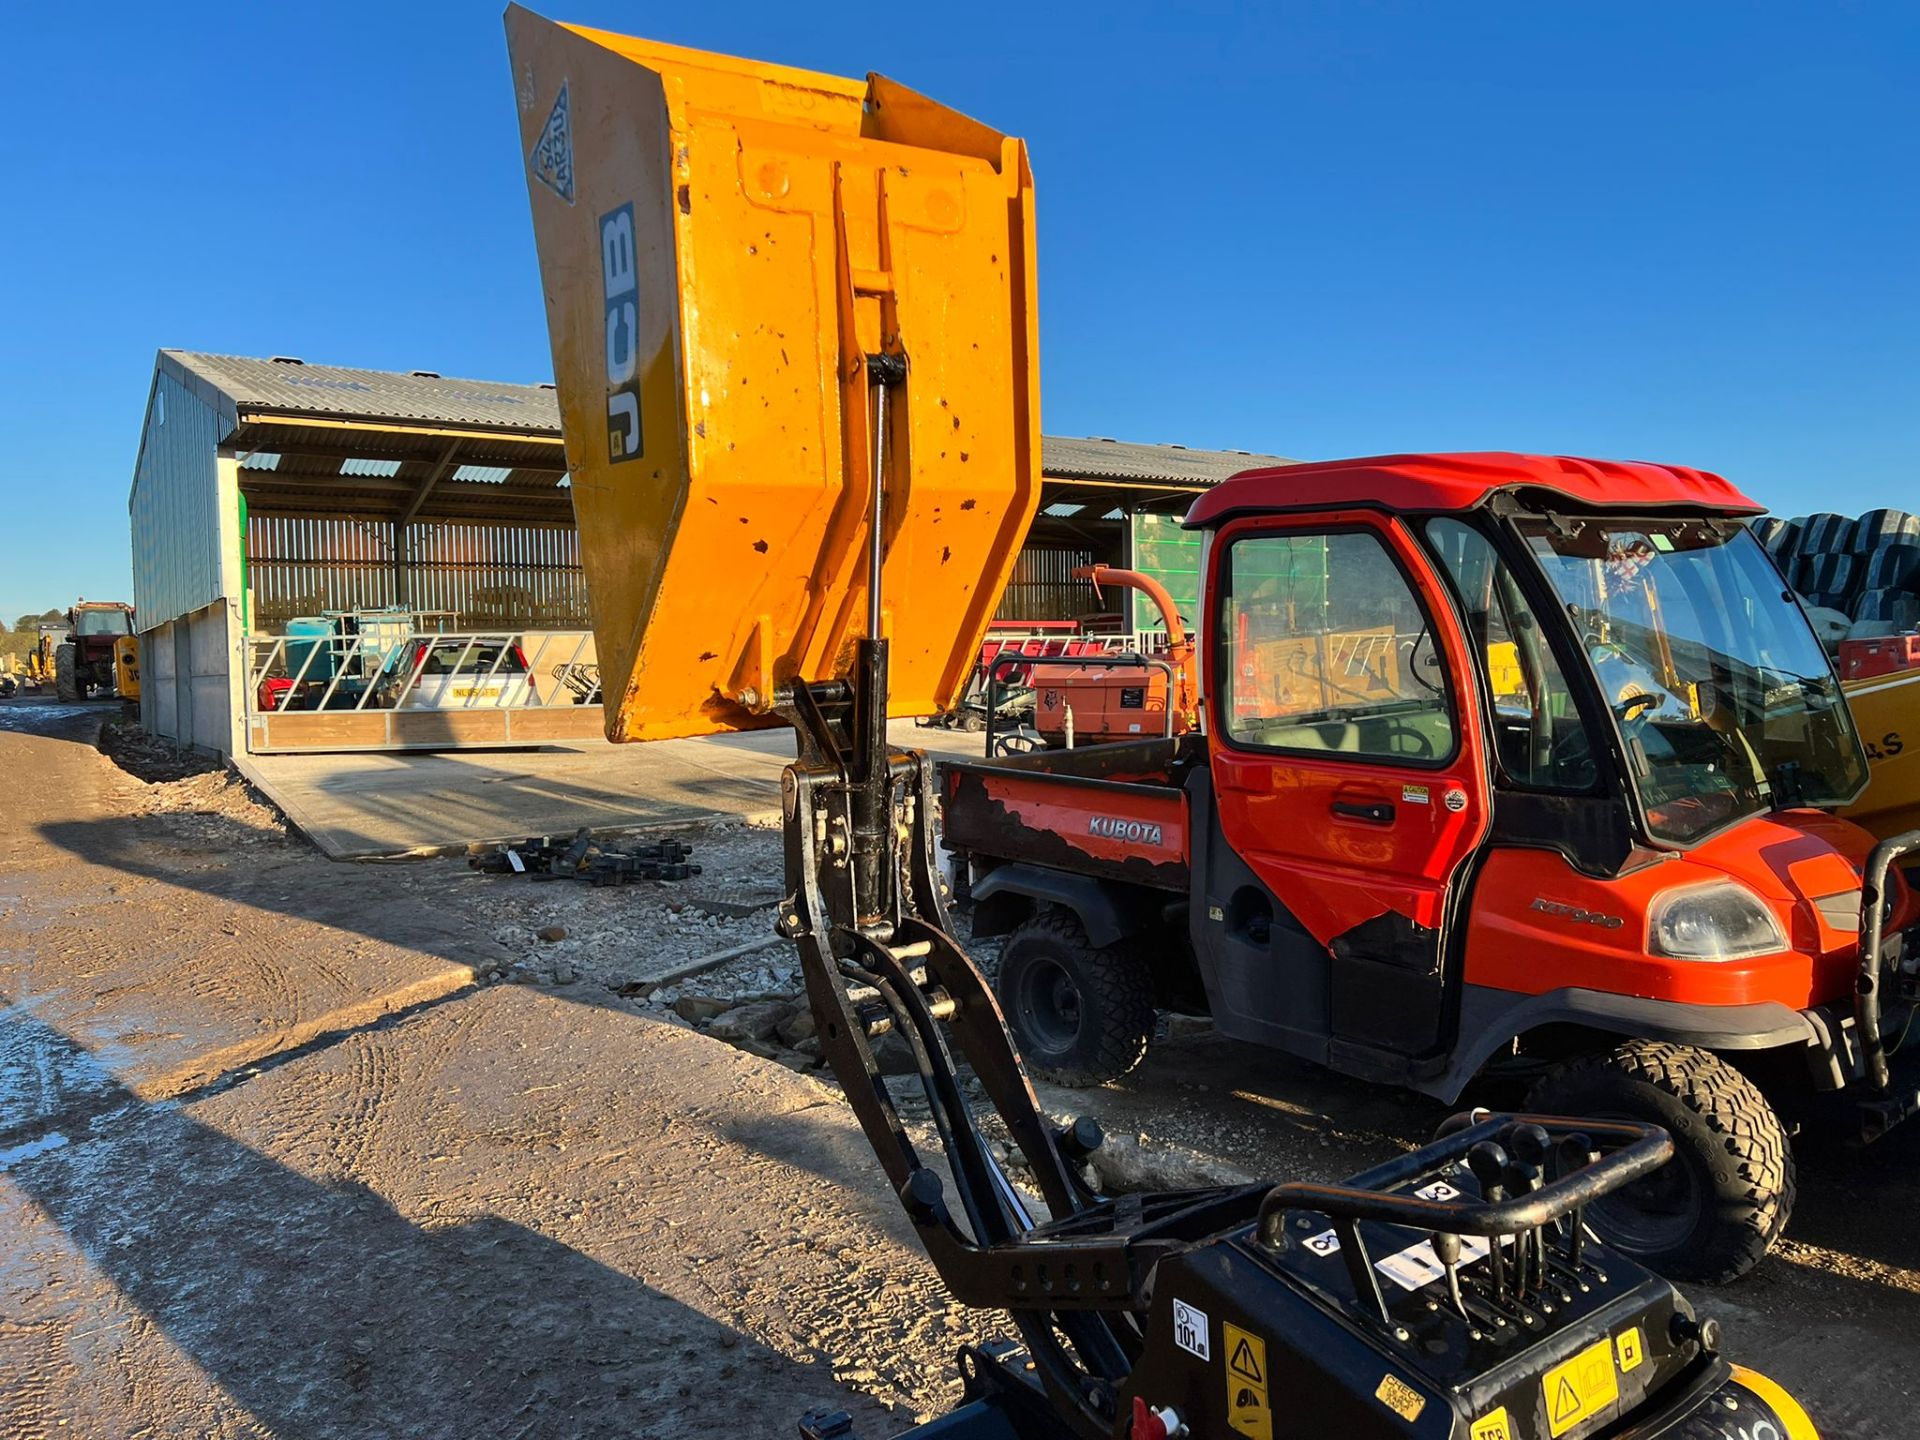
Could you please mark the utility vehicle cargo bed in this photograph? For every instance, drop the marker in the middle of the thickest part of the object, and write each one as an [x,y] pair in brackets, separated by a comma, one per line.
[1117,812]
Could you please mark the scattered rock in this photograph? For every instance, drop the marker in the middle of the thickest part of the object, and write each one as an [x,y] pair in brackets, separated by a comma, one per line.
[1180,1027]
[700,1008]
[563,974]
[551,933]
[810,1048]
[797,1027]
[755,1021]
[894,1056]
[1124,1166]
[730,909]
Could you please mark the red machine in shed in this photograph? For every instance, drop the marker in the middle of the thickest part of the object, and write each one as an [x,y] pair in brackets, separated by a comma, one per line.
[1087,700]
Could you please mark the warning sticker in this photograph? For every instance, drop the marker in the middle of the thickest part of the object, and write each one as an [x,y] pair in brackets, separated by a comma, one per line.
[552,156]
[1400,1397]
[1327,1242]
[1580,1388]
[1438,1190]
[1415,795]
[1494,1425]
[1190,1330]
[1246,1356]
[1248,1410]
[1629,1349]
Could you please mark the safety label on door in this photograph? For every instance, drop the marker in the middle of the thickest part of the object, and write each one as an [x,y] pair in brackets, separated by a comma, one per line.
[1493,1425]
[1581,1387]
[1248,1411]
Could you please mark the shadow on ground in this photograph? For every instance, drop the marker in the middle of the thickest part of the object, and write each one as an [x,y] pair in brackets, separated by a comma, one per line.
[323,1312]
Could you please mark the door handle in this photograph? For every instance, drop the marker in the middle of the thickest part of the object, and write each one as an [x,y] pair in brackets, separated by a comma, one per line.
[1377,812]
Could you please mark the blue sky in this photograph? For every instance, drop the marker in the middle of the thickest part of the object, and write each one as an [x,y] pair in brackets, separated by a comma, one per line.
[1676,232]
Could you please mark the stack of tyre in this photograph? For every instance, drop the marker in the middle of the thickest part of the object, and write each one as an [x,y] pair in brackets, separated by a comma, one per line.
[1867,569]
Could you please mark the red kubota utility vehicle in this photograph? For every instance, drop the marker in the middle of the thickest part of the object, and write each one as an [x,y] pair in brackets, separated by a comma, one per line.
[1504,758]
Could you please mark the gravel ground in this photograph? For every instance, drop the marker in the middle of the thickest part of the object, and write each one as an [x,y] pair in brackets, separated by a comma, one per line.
[1833,1312]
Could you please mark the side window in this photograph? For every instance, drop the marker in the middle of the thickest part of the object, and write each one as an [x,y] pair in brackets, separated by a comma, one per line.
[1324,648]
[1536,729]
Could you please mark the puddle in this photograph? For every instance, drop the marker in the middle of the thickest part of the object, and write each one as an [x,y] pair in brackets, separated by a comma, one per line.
[14,1155]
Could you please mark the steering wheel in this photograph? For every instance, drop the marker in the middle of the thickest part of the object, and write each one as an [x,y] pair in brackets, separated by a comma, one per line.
[1417,746]
[1627,710]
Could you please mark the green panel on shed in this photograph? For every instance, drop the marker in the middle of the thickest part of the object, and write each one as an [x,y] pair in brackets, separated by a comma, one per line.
[1171,555]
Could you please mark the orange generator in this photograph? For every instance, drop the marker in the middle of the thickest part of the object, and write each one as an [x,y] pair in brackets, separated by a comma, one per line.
[1091,699]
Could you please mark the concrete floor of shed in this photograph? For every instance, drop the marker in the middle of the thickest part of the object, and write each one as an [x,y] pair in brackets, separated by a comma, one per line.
[368,806]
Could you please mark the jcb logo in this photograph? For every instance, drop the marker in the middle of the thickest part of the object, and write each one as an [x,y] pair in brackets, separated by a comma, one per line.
[619,275]
[1112,827]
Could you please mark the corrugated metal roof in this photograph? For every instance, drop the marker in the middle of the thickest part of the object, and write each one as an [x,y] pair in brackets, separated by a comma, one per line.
[1100,459]
[286,387]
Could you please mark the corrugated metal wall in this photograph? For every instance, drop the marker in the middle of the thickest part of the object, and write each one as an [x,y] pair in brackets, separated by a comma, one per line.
[1043,587]
[514,576]
[301,565]
[175,508]
[489,575]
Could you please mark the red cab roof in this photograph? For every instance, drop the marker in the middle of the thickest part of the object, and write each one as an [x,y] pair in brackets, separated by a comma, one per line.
[1428,483]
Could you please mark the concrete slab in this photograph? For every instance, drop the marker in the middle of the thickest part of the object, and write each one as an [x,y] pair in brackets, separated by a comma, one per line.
[368,806]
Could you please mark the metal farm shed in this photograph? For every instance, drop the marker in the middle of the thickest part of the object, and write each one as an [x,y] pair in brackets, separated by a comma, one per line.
[271,497]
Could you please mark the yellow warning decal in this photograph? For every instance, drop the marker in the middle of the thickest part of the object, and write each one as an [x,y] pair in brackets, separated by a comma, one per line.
[1629,1349]
[1580,1387]
[1400,1397]
[1494,1425]
[1248,1410]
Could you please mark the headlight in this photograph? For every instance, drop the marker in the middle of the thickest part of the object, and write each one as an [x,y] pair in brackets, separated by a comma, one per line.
[1721,920]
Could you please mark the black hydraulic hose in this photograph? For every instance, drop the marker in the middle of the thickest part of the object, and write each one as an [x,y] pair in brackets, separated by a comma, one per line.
[1866,990]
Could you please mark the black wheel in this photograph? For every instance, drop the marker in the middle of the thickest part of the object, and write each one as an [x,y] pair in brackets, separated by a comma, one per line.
[1081,1015]
[66,673]
[1712,1211]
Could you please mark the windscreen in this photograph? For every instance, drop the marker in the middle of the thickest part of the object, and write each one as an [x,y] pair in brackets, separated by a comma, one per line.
[460,658]
[1726,702]
[102,622]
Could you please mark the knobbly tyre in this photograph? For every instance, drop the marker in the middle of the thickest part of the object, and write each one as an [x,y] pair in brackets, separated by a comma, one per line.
[1512,762]
[744,263]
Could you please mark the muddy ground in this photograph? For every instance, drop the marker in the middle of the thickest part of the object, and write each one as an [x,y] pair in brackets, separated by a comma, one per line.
[296,1148]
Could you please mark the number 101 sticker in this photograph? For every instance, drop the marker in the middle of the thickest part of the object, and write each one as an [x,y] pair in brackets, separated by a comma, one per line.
[1190,1330]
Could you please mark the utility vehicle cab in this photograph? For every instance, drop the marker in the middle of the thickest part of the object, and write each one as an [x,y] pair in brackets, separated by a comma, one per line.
[1506,756]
